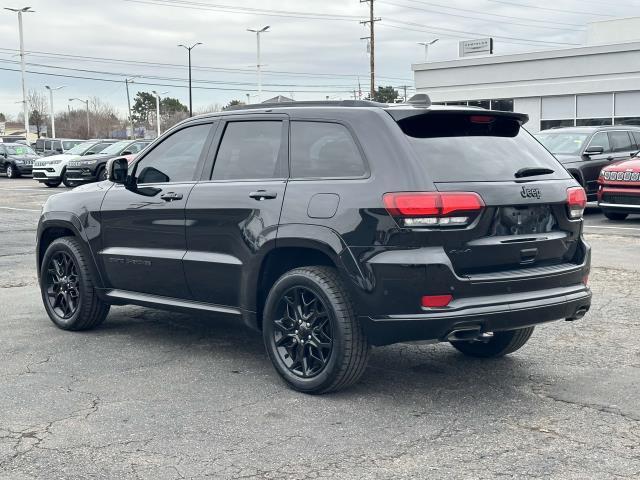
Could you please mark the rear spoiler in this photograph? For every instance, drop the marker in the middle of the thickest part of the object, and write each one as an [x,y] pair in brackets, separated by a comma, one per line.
[404,111]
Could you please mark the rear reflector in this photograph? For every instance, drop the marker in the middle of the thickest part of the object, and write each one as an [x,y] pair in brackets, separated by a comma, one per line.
[433,209]
[434,301]
[576,202]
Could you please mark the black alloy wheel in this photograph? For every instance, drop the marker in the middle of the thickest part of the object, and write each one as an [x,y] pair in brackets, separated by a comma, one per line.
[102,175]
[302,333]
[63,292]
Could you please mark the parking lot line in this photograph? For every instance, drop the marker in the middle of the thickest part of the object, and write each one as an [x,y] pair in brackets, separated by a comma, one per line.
[21,209]
[614,228]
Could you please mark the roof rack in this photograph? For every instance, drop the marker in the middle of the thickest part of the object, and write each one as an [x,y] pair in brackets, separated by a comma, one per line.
[310,103]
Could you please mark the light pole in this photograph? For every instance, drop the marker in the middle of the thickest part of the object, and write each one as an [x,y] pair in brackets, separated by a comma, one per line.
[20,11]
[189,50]
[258,31]
[53,119]
[426,47]
[86,102]
[157,95]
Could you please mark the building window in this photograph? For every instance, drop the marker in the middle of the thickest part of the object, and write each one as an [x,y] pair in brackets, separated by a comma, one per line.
[547,124]
[480,103]
[503,104]
[627,121]
[592,122]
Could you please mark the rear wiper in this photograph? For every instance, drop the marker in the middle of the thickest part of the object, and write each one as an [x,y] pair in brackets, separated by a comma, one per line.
[533,171]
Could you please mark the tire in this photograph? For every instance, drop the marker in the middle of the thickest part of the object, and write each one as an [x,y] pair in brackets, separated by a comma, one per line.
[501,344]
[102,174]
[68,183]
[12,172]
[76,307]
[53,184]
[615,215]
[334,324]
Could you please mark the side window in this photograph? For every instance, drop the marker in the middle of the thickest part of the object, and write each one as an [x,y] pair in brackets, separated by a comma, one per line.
[249,150]
[620,141]
[136,147]
[47,145]
[176,159]
[56,145]
[321,150]
[39,145]
[601,139]
[636,136]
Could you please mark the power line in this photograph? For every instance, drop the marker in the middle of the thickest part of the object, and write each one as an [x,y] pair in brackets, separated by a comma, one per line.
[474,18]
[551,9]
[203,68]
[504,37]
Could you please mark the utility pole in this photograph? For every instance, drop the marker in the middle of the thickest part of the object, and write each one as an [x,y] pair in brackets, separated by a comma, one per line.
[189,50]
[127,81]
[20,11]
[157,95]
[258,31]
[53,119]
[372,45]
[404,87]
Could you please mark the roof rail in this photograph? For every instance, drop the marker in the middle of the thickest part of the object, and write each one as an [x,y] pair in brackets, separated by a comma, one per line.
[310,103]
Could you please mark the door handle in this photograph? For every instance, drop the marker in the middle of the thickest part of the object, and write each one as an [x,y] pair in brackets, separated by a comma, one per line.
[171,196]
[263,195]
[610,158]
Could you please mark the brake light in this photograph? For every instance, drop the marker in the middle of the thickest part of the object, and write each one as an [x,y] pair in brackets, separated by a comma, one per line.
[433,209]
[435,301]
[576,202]
[481,119]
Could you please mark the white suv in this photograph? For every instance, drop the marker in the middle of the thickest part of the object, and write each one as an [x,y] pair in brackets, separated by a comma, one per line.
[52,170]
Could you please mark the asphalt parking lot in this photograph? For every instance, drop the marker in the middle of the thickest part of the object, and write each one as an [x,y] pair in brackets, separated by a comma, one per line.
[156,395]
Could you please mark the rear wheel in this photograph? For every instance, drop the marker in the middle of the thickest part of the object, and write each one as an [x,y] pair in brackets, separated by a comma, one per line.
[498,345]
[12,172]
[615,215]
[67,287]
[311,332]
[53,184]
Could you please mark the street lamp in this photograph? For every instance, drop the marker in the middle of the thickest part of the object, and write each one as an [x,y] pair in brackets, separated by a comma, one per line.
[426,47]
[53,120]
[20,11]
[127,81]
[189,50]
[157,95]
[86,102]
[258,31]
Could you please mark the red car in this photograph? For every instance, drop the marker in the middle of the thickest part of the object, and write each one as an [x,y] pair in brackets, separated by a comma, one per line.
[619,189]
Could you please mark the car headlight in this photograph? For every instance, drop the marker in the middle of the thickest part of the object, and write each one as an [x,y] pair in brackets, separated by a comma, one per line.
[19,161]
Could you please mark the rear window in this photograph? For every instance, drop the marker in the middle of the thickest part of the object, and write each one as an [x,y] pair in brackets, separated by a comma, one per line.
[463,147]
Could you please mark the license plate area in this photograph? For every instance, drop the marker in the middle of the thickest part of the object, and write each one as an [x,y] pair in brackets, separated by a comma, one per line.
[523,220]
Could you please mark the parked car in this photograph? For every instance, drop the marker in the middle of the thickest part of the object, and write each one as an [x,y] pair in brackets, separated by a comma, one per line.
[52,171]
[585,150]
[84,170]
[619,189]
[14,139]
[46,147]
[329,227]
[16,159]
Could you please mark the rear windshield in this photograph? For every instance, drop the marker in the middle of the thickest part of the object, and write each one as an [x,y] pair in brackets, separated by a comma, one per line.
[463,147]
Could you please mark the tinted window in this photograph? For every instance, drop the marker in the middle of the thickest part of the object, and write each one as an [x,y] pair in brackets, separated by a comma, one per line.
[97,148]
[563,143]
[620,141]
[176,159]
[601,139]
[249,150]
[636,136]
[463,147]
[47,145]
[324,150]
[56,145]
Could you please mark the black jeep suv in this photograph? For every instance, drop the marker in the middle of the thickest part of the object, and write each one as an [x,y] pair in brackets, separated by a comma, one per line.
[330,227]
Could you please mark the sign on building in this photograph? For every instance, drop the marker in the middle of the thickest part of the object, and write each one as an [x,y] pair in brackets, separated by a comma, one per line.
[479,46]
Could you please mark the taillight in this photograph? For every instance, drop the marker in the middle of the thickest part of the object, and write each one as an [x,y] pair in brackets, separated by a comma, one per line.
[434,209]
[436,301]
[576,202]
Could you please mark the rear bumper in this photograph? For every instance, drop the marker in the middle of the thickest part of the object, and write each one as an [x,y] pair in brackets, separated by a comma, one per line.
[487,314]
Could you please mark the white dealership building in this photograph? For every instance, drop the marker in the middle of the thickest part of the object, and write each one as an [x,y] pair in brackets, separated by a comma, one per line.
[595,84]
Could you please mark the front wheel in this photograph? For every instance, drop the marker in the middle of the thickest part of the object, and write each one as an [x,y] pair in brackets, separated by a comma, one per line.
[53,184]
[498,345]
[311,332]
[615,215]
[12,172]
[68,183]
[102,174]
[67,287]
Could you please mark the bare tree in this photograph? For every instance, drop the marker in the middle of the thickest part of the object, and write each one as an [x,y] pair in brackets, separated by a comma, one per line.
[38,111]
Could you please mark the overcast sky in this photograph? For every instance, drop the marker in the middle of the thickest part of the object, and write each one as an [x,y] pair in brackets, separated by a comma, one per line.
[319,56]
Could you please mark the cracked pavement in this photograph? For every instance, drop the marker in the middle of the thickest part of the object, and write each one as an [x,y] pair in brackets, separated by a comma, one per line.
[156,395]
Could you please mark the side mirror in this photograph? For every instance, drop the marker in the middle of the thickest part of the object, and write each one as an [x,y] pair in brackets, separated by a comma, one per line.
[594,150]
[117,170]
